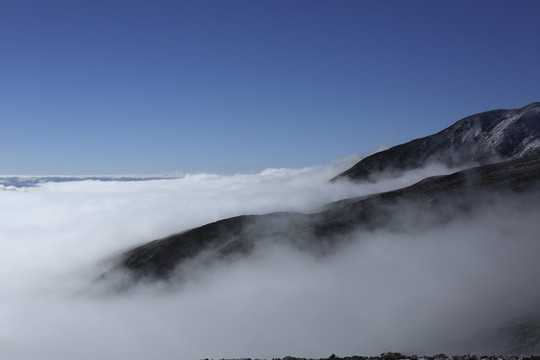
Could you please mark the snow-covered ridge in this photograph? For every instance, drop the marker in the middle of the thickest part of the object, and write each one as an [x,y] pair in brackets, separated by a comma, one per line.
[398,356]
[509,134]
[483,138]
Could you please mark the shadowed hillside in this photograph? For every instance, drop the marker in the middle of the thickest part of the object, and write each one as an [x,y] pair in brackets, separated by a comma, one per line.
[478,139]
[435,200]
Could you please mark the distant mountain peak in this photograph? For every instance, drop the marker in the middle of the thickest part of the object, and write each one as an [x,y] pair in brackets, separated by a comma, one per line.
[482,138]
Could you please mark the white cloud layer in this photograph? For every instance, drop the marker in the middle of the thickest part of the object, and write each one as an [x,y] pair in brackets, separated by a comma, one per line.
[383,292]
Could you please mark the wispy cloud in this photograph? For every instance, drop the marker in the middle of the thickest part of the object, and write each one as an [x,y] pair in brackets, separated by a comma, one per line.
[384,291]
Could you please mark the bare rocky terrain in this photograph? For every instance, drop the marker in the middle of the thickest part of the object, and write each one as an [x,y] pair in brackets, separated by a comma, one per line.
[436,200]
[487,137]
[399,356]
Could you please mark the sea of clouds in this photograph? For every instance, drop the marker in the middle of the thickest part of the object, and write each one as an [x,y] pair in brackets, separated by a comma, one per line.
[427,292]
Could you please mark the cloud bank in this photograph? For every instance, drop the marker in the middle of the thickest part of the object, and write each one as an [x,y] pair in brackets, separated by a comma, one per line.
[421,292]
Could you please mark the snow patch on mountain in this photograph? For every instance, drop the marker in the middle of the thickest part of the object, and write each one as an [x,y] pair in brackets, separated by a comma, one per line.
[483,138]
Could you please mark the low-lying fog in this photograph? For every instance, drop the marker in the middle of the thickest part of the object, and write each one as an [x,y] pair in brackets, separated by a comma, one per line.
[423,293]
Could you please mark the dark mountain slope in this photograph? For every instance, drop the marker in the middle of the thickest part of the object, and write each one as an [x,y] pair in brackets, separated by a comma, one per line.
[435,200]
[221,239]
[478,139]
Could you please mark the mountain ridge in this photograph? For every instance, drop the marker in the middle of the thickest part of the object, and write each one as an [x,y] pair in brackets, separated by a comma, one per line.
[413,210]
[442,197]
[482,138]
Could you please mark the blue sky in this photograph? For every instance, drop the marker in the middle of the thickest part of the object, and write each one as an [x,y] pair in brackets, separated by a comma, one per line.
[124,87]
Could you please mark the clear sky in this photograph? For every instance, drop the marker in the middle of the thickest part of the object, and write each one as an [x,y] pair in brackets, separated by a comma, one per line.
[112,87]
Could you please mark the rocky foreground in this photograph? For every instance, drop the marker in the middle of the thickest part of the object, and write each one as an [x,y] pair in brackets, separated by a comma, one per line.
[398,356]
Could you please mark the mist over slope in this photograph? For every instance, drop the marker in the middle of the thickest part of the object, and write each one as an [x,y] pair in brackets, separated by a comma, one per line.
[58,237]
[487,137]
[429,271]
[430,203]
